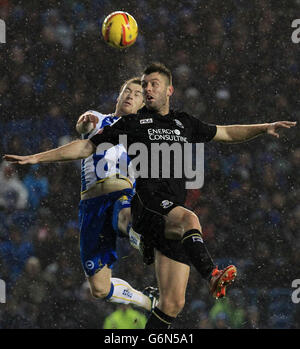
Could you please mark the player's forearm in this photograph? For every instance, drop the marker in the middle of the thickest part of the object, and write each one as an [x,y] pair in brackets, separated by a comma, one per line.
[78,149]
[239,133]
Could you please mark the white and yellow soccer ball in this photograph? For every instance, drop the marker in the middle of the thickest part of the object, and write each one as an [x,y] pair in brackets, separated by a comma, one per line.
[120,29]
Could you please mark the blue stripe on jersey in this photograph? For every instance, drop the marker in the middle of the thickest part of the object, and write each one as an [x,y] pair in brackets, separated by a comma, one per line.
[105,122]
[95,158]
[83,181]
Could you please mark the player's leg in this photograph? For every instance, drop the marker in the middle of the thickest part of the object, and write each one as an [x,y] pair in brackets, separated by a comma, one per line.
[121,216]
[180,220]
[100,283]
[122,220]
[116,290]
[98,253]
[183,224]
[172,278]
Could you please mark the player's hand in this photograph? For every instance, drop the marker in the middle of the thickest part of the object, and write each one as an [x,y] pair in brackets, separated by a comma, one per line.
[21,160]
[274,127]
[88,118]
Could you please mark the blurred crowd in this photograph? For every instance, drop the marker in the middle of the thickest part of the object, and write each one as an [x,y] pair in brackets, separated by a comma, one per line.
[233,61]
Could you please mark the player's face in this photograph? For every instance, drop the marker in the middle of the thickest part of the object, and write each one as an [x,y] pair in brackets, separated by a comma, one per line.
[130,99]
[156,91]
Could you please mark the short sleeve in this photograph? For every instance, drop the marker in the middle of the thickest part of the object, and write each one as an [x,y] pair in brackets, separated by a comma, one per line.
[202,132]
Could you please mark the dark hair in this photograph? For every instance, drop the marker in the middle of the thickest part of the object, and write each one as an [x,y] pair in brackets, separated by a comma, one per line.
[157,67]
[134,80]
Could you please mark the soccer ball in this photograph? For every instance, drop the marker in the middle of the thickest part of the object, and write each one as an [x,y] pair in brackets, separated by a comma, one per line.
[120,29]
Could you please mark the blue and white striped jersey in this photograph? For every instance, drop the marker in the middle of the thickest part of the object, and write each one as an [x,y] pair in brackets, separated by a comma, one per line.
[104,163]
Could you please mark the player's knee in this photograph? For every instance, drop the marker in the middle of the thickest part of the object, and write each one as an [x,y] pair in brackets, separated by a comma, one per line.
[191,221]
[124,219]
[172,305]
[186,220]
[99,291]
[124,216]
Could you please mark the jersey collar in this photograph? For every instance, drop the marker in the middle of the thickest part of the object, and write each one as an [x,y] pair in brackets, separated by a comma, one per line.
[153,113]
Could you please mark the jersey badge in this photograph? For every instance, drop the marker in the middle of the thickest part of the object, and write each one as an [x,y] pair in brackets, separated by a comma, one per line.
[179,123]
[146,121]
[166,204]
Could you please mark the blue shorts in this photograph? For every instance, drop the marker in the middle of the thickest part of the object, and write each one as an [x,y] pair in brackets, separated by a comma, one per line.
[97,218]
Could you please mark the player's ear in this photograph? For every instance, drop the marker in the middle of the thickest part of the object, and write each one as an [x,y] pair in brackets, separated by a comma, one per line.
[170,90]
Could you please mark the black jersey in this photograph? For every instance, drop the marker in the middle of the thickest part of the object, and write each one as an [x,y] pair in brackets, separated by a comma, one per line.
[150,128]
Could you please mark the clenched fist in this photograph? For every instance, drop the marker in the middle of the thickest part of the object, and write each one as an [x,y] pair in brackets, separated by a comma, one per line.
[86,123]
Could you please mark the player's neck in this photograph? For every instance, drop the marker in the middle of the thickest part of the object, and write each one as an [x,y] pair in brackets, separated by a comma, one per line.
[164,110]
[118,113]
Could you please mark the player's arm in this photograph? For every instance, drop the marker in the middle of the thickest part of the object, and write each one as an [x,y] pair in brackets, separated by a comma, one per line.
[242,133]
[86,123]
[111,133]
[78,149]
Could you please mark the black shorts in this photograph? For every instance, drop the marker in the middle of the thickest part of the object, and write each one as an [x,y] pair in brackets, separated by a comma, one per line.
[148,219]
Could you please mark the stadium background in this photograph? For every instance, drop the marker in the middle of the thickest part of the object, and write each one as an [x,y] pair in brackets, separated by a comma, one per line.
[233,62]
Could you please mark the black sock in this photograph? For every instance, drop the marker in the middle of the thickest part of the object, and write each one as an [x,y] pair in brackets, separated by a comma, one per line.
[159,320]
[197,252]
